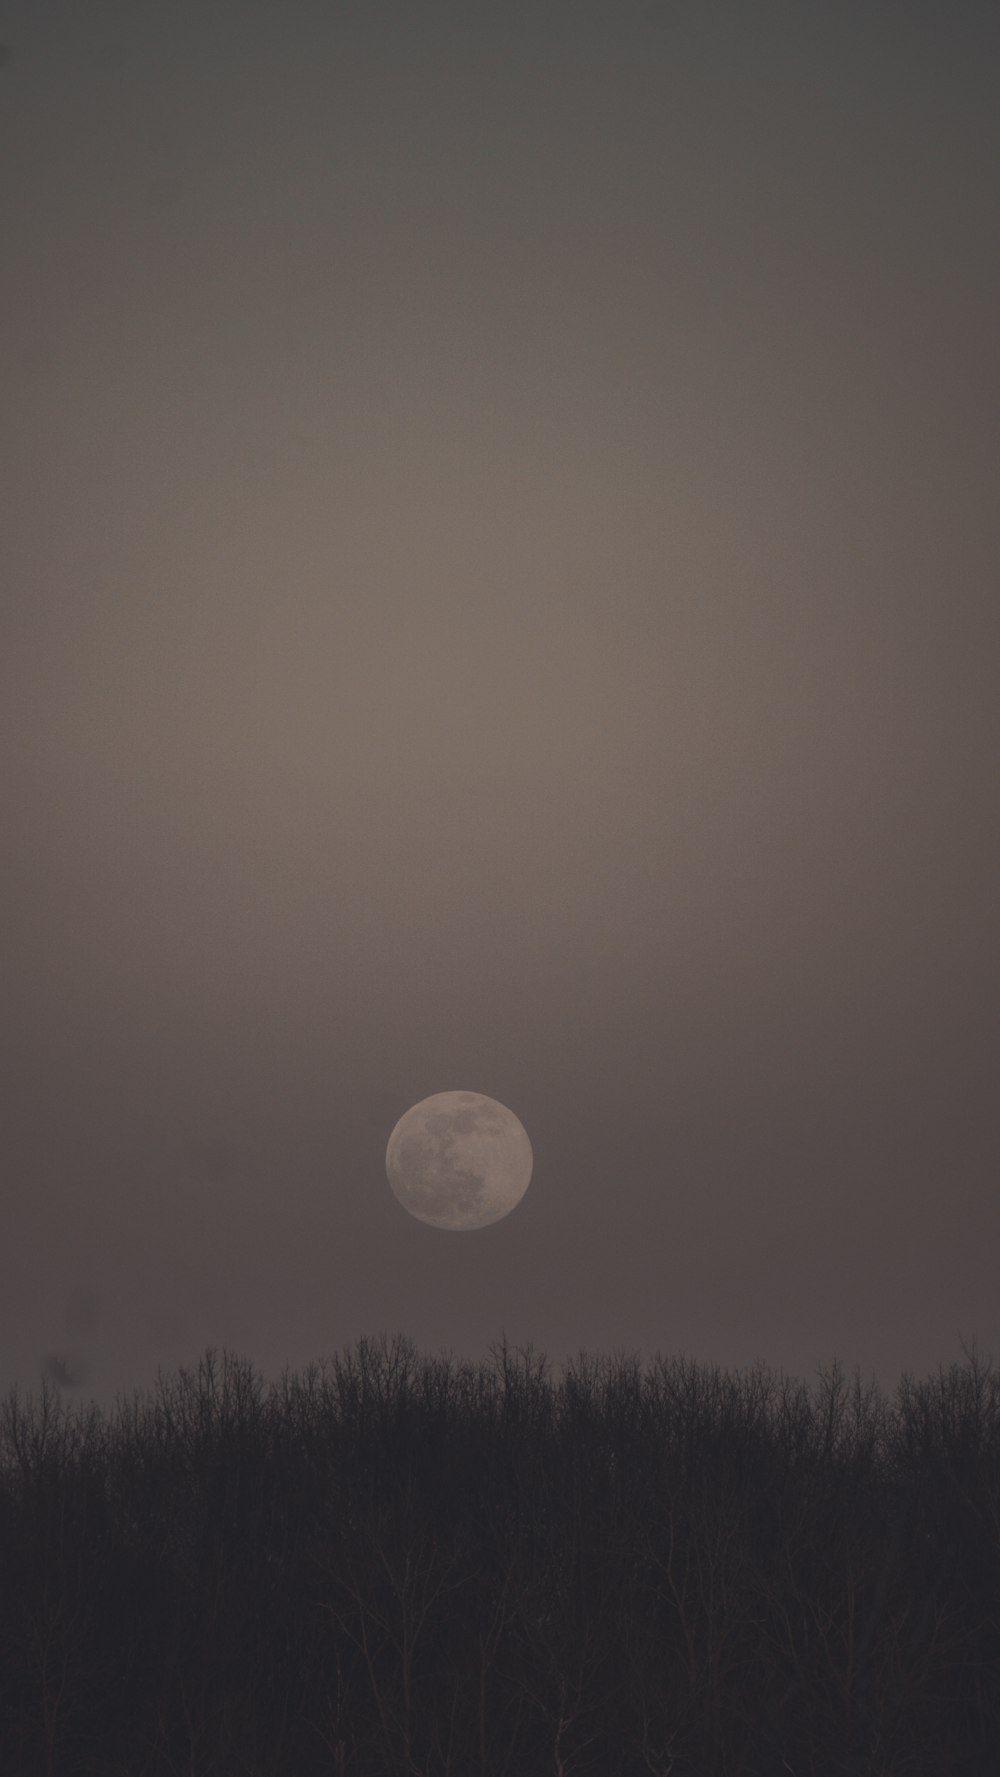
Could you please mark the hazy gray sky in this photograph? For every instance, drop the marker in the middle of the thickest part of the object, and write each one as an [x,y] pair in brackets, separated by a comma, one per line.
[500,590]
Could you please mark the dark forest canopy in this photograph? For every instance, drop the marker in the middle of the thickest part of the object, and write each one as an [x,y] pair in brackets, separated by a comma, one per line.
[393,1563]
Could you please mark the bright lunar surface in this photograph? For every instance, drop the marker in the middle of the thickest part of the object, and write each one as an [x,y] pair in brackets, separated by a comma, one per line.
[459,1160]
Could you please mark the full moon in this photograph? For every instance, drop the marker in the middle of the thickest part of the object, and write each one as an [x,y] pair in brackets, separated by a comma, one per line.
[459,1160]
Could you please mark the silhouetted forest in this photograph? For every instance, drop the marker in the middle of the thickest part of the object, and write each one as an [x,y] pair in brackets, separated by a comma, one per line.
[403,1566]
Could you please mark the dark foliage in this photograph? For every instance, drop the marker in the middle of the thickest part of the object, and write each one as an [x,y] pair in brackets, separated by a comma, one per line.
[407,1567]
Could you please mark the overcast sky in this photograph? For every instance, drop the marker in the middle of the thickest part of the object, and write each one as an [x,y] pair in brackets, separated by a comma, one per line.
[500,591]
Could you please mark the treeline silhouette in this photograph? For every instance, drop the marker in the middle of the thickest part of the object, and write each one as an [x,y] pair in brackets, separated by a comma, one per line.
[408,1566]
